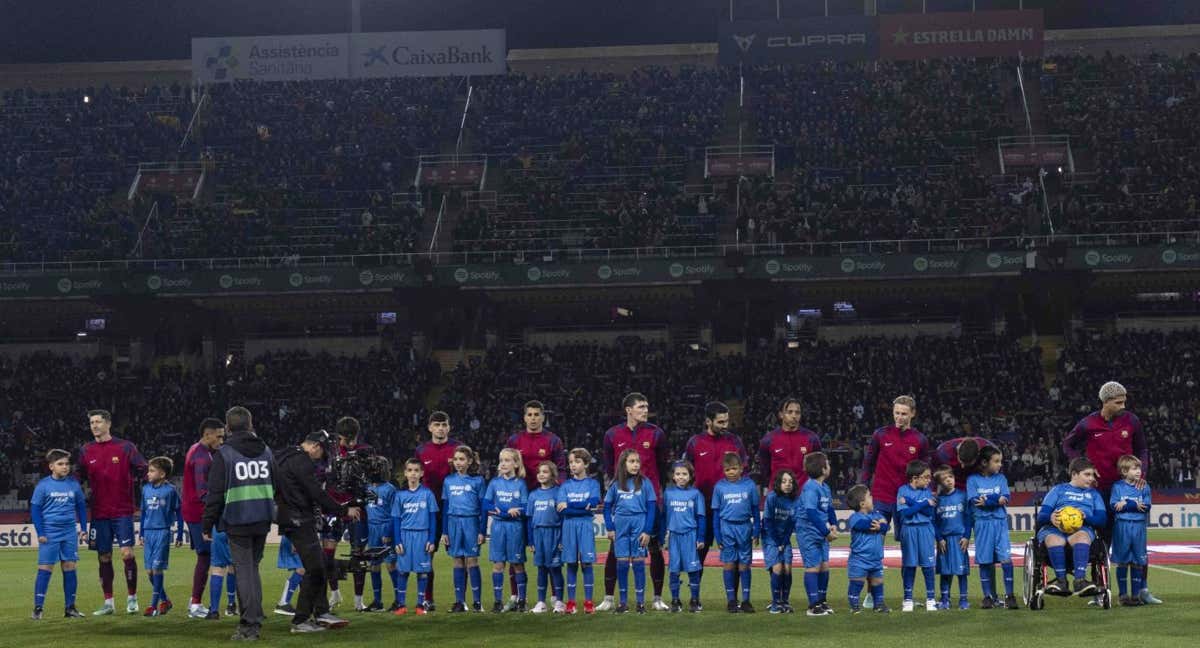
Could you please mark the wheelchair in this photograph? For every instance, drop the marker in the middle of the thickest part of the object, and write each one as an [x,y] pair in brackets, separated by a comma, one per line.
[1037,570]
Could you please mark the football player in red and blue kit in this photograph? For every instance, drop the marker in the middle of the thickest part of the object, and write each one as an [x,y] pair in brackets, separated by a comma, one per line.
[785,447]
[1103,437]
[705,452]
[195,489]
[961,455]
[652,447]
[111,468]
[436,456]
[887,457]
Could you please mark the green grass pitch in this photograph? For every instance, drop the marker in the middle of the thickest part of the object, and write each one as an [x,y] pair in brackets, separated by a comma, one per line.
[1063,622]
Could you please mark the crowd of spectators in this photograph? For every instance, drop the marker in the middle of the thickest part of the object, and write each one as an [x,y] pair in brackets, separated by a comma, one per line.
[45,399]
[606,119]
[1137,118]
[871,117]
[863,151]
[63,156]
[984,386]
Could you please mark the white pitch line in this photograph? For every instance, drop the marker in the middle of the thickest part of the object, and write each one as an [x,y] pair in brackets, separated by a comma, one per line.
[1177,571]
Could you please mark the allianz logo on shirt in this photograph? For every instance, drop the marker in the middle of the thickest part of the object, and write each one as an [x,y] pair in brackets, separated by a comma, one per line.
[461,490]
[577,497]
[543,505]
[155,502]
[508,496]
[734,498]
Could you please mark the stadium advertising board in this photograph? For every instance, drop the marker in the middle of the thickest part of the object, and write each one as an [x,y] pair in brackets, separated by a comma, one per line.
[344,56]
[432,53]
[61,285]
[270,58]
[890,36]
[1020,518]
[961,34]
[887,266]
[759,42]
[1116,259]
[646,271]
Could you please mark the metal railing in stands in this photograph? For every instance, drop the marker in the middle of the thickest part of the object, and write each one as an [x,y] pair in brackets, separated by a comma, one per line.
[912,246]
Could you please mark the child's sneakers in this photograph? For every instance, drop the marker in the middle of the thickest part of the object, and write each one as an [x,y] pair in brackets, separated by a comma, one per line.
[907,606]
[964,604]
[37,614]
[540,608]
[817,610]
[1084,587]
[72,613]
[1147,598]
[931,605]
[1010,602]
[286,609]
[732,607]
[676,605]
[944,604]
[747,607]
[694,606]
[402,610]
[589,607]
[560,607]
[989,603]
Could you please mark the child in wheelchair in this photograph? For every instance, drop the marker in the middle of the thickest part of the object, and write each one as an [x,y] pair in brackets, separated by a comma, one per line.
[1080,493]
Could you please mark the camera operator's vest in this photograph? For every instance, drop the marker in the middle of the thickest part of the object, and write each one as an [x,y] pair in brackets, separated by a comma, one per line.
[249,491]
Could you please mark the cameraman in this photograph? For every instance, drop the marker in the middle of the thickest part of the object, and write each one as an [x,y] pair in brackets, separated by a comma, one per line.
[302,500]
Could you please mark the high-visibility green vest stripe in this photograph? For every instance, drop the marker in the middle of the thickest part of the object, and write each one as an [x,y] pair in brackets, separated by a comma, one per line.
[251,492]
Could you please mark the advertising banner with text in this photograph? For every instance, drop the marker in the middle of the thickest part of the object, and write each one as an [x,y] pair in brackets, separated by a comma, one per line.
[961,34]
[304,57]
[769,42]
[308,57]
[433,53]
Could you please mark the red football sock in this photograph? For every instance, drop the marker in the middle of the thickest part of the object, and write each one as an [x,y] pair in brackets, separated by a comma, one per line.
[131,576]
[106,579]
[200,577]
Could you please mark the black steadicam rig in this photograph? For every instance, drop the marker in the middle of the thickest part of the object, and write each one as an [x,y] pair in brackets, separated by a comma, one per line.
[354,473]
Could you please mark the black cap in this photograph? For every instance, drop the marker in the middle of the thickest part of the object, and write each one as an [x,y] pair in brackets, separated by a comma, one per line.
[320,436]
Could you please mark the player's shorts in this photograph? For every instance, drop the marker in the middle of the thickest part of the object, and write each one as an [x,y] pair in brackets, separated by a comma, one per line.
[59,547]
[777,553]
[375,535]
[288,557]
[415,558]
[888,511]
[681,553]
[918,546]
[1129,542]
[507,543]
[220,550]
[953,561]
[547,546]
[736,544]
[102,532]
[438,530]
[1051,530]
[196,538]
[991,542]
[578,540]
[863,569]
[463,532]
[813,550]
[625,542]
[333,531]
[157,548]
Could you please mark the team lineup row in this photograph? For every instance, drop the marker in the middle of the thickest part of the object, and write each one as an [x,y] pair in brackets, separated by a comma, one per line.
[714,456]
